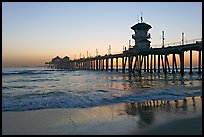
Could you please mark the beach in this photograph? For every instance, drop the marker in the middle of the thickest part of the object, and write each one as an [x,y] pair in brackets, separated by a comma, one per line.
[181,117]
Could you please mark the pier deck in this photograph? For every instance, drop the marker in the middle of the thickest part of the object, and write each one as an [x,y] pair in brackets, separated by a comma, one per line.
[142,58]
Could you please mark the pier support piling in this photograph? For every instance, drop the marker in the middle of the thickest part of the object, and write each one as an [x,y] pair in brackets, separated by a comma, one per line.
[144,63]
[148,63]
[190,62]
[151,64]
[199,61]
[154,62]
[159,63]
[106,64]
[117,64]
[182,63]
[130,64]
[111,64]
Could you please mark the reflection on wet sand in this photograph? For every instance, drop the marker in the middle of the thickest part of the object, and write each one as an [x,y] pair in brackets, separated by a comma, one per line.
[145,110]
[121,118]
[144,115]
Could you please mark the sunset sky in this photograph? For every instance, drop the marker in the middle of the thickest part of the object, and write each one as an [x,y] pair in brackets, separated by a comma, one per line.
[35,32]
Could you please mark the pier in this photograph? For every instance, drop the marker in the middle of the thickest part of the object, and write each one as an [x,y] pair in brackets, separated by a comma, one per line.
[138,58]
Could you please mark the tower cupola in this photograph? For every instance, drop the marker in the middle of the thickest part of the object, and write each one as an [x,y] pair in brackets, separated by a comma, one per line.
[141,36]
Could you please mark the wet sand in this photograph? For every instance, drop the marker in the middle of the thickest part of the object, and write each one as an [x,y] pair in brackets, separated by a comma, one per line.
[189,126]
[182,117]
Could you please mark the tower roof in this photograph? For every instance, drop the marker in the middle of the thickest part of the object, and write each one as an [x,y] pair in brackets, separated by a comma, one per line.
[66,57]
[141,26]
[56,59]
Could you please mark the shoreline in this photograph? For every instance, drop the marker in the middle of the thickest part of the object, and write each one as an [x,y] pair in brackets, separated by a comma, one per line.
[115,119]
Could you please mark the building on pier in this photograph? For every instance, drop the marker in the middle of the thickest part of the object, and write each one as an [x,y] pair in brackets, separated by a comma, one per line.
[65,59]
[141,36]
[56,62]
[65,62]
[56,59]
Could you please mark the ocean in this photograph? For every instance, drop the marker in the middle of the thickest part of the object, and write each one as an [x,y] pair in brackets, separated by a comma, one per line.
[34,88]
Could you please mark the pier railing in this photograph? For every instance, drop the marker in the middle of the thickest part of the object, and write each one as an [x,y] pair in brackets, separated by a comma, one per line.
[192,41]
[172,44]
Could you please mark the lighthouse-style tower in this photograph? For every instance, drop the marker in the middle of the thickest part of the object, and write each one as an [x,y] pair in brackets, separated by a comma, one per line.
[141,36]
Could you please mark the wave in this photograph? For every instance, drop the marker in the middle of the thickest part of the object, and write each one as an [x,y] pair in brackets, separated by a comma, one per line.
[82,89]
[59,99]
[25,72]
[35,80]
[20,87]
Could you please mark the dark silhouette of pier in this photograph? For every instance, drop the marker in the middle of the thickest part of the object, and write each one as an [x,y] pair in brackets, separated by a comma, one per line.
[139,57]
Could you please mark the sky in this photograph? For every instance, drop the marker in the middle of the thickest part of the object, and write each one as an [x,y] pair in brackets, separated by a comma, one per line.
[36,32]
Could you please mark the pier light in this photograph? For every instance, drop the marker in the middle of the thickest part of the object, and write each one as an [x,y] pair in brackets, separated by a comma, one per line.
[109,50]
[182,38]
[96,52]
[162,39]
